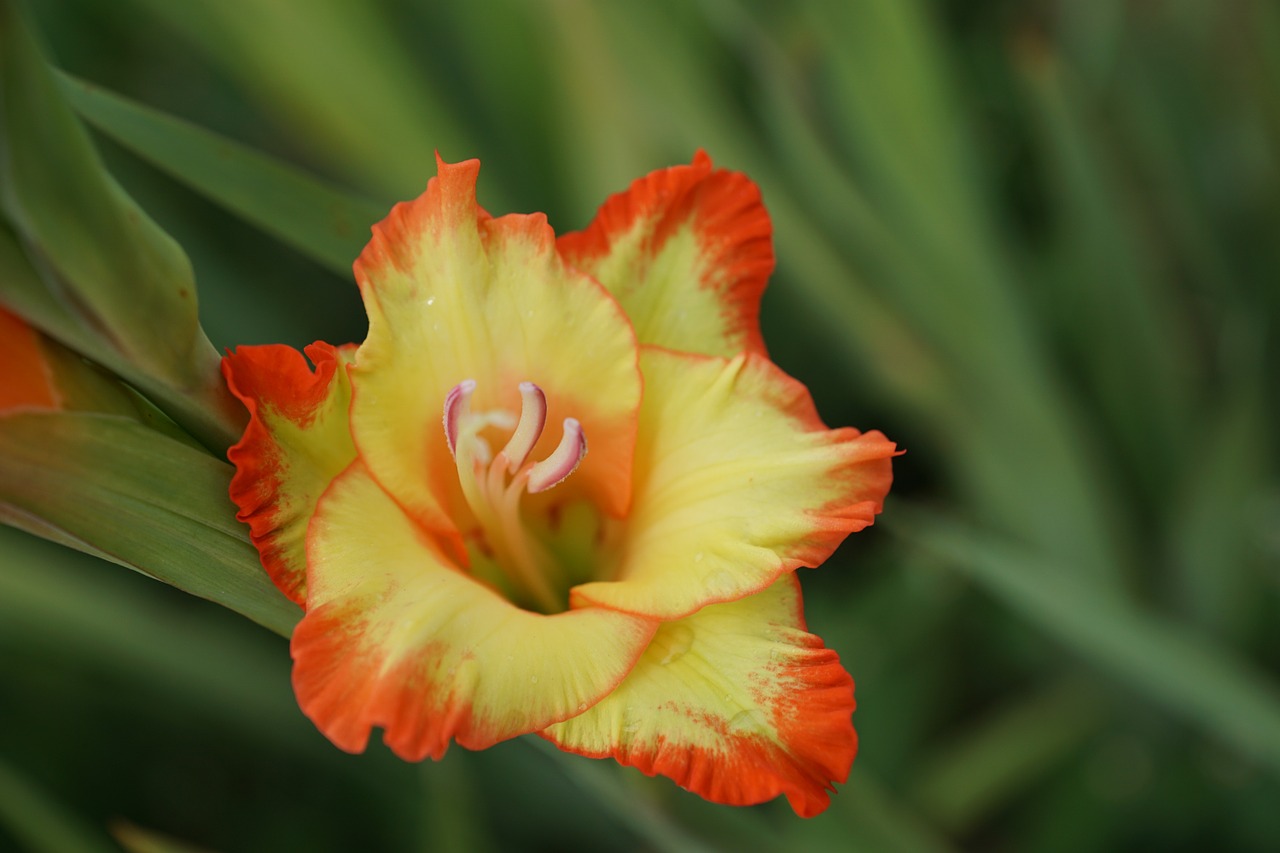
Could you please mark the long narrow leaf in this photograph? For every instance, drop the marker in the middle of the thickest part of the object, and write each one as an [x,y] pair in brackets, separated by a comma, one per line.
[41,824]
[1008,752]
[117,489]
[196,666]
[135,839]
[319,220]
[642,818]
[337,71]
[1186,673]
[1123,313]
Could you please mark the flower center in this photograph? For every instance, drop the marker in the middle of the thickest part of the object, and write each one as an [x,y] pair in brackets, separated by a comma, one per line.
[494,483]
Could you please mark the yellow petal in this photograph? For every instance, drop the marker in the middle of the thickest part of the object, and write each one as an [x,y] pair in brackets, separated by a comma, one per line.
[396,637]
[737,482]
[687,251]
[298,440]
[453,294]
[736,703]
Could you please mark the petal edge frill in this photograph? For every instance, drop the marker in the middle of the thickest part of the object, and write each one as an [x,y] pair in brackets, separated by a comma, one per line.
[688,251]
[736,703]
[737,482]
[396,637]
[297,441]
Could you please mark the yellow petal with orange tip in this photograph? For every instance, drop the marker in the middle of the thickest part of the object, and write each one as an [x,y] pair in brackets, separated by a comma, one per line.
[737,482]
[687,251]
[395,636]
[736,703]
[297,441]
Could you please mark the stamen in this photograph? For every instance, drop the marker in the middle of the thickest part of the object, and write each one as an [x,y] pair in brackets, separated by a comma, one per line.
[457,405]
[533,417]
[562,462]
[492,485]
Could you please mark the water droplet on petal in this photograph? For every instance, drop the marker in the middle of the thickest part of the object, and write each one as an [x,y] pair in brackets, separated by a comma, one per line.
[533,679]
[674,641]
[582,706]
[748,722]
[722,581]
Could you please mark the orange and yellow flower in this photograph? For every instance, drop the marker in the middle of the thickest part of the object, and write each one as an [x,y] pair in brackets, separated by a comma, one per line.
[470,572]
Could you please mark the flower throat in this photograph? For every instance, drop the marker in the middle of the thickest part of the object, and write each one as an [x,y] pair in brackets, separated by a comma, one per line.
[494,483]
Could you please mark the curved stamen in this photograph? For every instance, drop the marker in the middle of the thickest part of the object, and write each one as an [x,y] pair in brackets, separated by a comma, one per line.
[457,405]
[492,485]
[562,462]
[533,417]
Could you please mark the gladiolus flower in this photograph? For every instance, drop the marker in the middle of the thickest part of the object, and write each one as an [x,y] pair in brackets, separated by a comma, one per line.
[560,488]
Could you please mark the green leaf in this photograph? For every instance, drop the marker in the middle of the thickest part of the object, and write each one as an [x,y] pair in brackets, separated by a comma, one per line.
[41,824]
[601,787]
[112,487]
[874,820]
[181,668]
[1118,309]
[1190,675]
[451,805]
[335,73]
[1213,547]
[60,610]
[107,280]
[135,839]
[1011,749]
[319,220]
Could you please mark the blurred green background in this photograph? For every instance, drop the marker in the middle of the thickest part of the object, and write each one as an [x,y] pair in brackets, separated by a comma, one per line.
[1037,243]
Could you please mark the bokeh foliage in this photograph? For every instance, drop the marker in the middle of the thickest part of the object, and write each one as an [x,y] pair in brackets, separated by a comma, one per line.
[1035,242]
